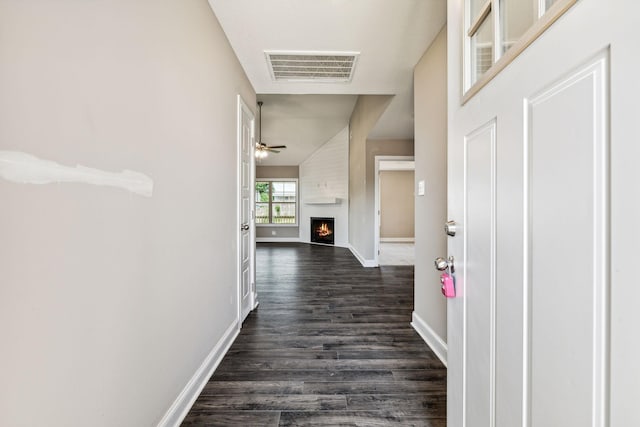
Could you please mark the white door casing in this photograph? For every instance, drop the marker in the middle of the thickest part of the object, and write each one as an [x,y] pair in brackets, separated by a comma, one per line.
[542,185]
[392,163]
[247,298]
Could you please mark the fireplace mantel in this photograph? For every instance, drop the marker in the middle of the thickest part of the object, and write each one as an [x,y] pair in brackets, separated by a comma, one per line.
[322,201]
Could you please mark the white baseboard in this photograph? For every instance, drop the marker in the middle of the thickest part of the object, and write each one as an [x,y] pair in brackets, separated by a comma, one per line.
[363,261]
[397,239]
[433,340]
[187,397]
[277,239]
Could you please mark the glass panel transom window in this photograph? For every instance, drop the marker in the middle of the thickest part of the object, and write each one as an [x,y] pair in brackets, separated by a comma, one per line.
[482,48]
[516,17]
[276,202]
[494,27]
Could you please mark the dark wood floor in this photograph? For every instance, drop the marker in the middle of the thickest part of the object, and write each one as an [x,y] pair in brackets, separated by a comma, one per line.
[329,345]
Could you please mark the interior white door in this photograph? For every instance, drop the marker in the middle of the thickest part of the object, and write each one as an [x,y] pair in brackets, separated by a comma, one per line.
[544,193]
[246,224]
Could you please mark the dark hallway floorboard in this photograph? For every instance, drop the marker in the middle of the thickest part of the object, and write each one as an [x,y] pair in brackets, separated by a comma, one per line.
[329,345]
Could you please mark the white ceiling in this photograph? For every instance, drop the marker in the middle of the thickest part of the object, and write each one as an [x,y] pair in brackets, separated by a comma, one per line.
[301,122]
[390,35]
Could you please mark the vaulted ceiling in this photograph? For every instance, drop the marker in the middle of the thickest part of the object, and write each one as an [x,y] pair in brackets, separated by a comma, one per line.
[388,36]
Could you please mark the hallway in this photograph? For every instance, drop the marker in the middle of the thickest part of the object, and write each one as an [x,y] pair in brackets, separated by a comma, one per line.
[394,253]
[329,344]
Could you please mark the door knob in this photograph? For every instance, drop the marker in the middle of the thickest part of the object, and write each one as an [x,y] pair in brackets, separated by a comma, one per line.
[441,264]
[451,227]
[444,264]
[244,227]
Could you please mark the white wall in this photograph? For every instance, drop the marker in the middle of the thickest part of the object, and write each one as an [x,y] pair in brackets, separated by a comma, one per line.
[110,301]
[325,174]
[430,83]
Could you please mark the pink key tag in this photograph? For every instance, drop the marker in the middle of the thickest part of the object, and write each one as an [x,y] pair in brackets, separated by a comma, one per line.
[448,287]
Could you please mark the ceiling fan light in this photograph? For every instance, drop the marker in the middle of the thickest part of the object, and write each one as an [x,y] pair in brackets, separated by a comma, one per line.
[262,149]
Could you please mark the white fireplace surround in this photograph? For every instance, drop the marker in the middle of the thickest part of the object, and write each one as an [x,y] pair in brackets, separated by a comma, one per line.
[324,188]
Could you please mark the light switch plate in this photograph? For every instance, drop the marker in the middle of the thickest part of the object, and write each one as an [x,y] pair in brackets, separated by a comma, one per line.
[421,188]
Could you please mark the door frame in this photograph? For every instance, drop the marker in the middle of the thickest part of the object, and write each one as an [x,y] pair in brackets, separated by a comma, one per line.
[410,165]
[243,107]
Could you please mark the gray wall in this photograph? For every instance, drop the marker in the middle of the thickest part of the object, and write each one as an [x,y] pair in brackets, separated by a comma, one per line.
[366,113]
[397,204]
[275,172]
[110,301]
[430,85]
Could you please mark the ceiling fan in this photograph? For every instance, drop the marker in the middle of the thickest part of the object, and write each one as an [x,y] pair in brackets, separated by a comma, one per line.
[262,149]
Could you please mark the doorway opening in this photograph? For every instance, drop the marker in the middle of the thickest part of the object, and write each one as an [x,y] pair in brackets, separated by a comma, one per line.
[395,204]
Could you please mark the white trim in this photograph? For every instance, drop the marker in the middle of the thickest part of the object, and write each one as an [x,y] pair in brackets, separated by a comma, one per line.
[376,203]
[397,240]
[397,165]
[433,340]
[277,239]
[363,261]
[187,397]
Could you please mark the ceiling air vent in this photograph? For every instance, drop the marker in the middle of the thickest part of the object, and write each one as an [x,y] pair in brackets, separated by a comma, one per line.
[330,67]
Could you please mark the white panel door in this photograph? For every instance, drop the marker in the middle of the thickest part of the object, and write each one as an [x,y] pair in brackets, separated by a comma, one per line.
[478,275]
[544,184]
[246,240]
[567,249]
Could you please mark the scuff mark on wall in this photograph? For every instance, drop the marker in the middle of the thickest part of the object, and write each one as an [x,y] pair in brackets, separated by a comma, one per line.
[23,168]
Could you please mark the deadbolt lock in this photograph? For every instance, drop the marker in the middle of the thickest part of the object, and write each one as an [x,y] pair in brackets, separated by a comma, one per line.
[451,227]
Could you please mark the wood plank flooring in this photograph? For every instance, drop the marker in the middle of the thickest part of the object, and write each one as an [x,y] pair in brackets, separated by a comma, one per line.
[329,345]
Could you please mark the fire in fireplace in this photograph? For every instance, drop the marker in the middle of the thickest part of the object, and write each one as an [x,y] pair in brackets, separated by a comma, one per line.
[322,230]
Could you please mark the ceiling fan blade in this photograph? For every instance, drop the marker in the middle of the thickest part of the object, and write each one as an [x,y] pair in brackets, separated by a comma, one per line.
[261,146]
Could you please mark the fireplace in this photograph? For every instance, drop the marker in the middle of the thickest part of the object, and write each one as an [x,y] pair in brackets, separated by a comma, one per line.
[322,230]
